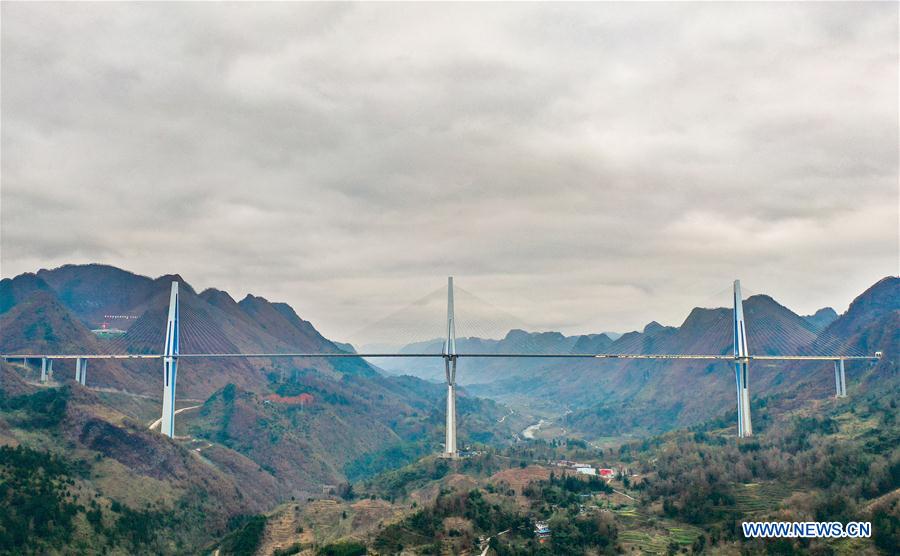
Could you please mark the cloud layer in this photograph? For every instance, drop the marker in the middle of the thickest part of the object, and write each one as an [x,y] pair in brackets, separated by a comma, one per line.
[586,167]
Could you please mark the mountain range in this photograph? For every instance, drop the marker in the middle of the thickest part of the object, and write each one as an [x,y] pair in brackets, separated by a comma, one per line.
[253,433]
[634,396]
[55,310]
[610,397]
[351,411]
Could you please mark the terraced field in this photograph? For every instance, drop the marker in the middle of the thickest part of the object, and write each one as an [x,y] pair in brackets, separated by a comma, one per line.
[651,535]
[644,542]
[684,534]
[631,517]
[760,497]
[852,426]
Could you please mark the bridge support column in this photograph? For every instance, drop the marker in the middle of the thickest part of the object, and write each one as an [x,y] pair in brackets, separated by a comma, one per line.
[741,365]
[450,436]
[50,369]
[840,380]
[745,426]
[170,365]
[43,370]
[81,370]
[450,370]
[843,381]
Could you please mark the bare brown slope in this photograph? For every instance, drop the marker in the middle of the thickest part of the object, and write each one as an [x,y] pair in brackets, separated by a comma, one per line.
[94,291]
[119,462]
[39,323]
[38,320]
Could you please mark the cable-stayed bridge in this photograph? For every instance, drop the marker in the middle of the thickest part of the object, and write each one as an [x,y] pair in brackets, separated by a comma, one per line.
[206,342]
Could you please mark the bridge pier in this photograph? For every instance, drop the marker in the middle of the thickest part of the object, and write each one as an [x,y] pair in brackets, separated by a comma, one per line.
[450,357]
[450,436]
[741,365]
[43,370]
[170,365]
[840,380]
[745,426]
[80,370]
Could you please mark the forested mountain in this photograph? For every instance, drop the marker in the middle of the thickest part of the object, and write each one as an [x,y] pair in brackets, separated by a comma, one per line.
[683,492]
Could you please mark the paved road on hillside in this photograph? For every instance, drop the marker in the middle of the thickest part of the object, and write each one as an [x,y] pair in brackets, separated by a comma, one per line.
[156,423]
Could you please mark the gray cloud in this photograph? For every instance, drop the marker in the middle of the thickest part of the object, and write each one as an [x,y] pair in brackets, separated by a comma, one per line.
[587,167]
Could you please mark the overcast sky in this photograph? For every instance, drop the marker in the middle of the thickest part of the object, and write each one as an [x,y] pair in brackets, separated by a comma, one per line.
[585,167]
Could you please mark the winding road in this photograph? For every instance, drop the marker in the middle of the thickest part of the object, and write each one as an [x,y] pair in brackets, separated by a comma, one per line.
[155,424]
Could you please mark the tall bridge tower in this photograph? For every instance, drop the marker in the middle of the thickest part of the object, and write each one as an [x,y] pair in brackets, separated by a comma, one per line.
[450,356]
[170,365]
[741,364]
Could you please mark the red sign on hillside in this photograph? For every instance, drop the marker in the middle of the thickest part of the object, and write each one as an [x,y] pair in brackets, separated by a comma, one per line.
[302,399]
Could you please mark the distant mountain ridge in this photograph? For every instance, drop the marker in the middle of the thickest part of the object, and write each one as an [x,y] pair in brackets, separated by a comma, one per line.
[659,394]
[515,341]
[822,318]
[704,331]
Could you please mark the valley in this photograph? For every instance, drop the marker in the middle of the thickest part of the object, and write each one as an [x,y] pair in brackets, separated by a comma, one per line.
[336,456]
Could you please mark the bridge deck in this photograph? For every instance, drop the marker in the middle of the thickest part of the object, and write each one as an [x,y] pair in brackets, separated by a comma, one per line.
[440,355]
